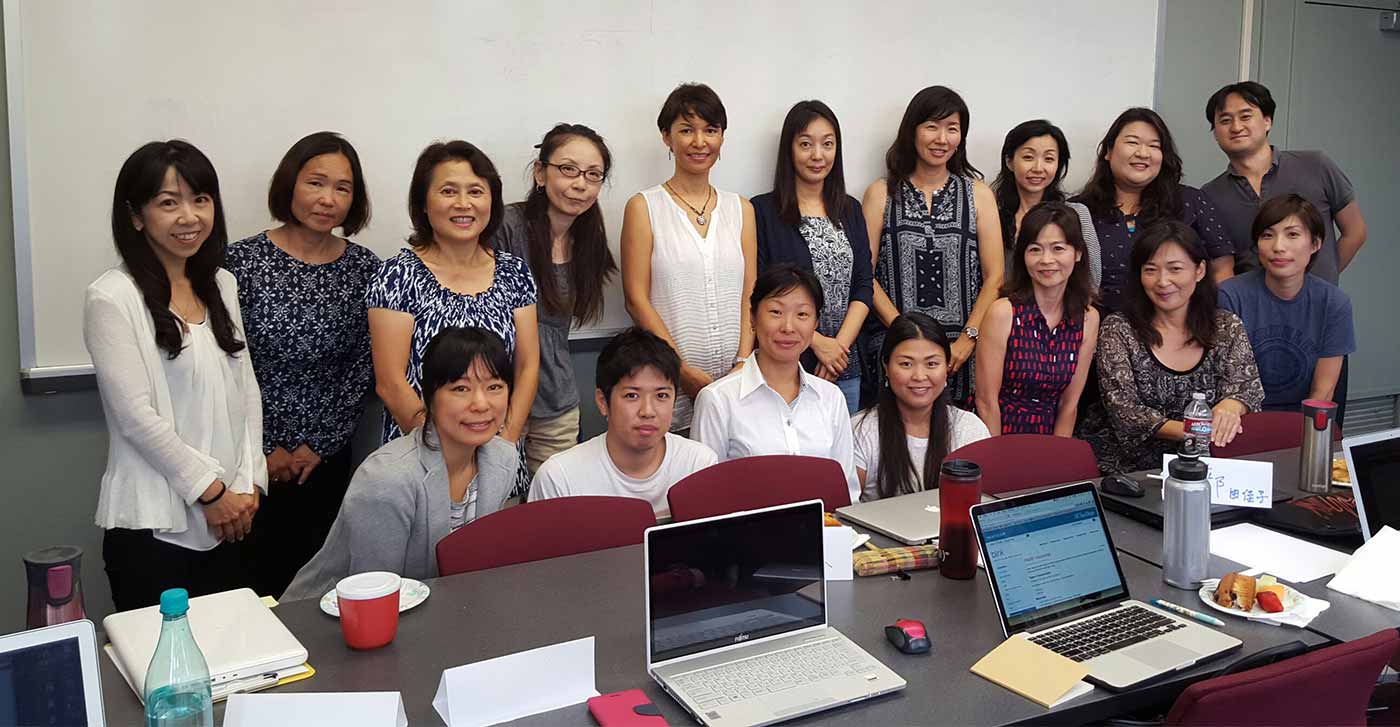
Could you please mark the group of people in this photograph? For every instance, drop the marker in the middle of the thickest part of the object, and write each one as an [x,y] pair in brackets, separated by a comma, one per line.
[233,375]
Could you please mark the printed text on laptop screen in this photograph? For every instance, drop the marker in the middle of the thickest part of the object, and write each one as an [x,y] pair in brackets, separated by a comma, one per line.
[43,685]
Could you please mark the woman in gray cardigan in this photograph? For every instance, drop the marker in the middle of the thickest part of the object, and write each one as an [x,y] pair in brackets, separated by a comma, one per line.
[415,490]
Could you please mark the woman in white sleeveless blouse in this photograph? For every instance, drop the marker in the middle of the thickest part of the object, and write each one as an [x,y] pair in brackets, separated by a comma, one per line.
[689,251]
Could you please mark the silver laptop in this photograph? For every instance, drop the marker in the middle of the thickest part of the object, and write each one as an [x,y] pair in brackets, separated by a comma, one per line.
[911,519]
[1374,463]
[1056,580]
[736,620]
[50,676]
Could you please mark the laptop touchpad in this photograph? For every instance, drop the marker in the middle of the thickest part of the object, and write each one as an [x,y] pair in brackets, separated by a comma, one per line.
[1161,654]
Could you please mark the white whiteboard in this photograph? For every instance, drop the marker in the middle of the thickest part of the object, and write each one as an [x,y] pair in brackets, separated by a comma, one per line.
[88,82]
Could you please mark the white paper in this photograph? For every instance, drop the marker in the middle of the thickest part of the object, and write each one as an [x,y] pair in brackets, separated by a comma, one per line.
[317,709]
[517,685]
[1283,556]
[1078,690]
[836,552]
[1370,575]
[1237,482]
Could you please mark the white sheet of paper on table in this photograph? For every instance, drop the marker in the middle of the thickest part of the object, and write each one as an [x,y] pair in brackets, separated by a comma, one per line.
[1282,556]
[517,685]
[1370,575]
[317,709]
[836,552]
[1237,482]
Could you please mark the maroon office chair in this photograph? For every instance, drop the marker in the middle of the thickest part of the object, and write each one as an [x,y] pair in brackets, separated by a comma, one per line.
[749,483]
[1267,431]
[544,529]
[1328,686]
[1020,461]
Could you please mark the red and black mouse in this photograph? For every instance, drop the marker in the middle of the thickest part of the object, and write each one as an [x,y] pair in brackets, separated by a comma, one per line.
[908,635]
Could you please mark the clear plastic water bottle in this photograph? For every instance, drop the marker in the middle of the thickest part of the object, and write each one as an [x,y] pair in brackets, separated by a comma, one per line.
[177,681]
[1198,419]
[1185,523]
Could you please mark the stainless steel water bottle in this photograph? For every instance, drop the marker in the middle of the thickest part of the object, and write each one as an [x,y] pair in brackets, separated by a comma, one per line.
[1185,523]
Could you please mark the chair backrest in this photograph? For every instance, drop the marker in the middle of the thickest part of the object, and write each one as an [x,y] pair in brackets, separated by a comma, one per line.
[1019,461]
[749,483]
[545,529]
[1266,431]
[1329,686]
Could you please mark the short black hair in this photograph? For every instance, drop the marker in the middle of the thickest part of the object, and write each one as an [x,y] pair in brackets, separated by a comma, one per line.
[781,279]
[451,354]
[428,160]
[284,180]
[631,351]
[1279,208]
[692,99]
[1253,93]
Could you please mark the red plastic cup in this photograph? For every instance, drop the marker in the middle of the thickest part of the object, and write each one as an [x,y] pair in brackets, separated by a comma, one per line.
[369,608]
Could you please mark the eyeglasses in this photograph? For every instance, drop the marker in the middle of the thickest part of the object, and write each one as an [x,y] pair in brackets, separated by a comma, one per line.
[596,176]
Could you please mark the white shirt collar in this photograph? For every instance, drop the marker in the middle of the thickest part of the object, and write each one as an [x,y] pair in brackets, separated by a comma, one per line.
[751,378]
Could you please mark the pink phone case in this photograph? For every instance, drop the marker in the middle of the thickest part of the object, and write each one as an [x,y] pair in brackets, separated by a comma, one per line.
[631,708]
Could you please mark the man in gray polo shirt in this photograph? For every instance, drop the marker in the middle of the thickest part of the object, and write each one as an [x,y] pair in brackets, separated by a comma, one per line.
[1240,116]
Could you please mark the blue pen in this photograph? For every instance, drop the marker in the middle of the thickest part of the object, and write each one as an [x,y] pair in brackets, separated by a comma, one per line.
[1188,613]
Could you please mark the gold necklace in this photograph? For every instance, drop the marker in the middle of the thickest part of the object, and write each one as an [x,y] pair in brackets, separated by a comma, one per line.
[699,213]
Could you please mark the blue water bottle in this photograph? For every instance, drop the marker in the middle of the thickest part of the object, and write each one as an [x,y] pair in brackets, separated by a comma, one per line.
[177,681]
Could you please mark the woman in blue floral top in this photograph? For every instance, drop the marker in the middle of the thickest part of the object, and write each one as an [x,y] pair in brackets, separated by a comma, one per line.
[451,276]
[301,290]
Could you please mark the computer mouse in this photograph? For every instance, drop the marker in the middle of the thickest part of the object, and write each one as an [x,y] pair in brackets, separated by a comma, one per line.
[908,635]
[1121,485]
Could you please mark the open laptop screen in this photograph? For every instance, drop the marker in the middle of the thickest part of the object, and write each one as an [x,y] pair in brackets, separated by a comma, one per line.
[1375,476]
[727,580]
[1048,555]
[43,685]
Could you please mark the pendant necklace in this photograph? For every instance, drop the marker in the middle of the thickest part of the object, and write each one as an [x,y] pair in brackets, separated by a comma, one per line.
[699,213]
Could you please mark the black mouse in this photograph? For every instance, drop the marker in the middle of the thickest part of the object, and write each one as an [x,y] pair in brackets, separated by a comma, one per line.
[908,635]
[1121,485]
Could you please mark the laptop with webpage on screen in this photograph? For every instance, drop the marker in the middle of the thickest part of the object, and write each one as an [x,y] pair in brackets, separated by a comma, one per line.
[1057,581]
[736,620]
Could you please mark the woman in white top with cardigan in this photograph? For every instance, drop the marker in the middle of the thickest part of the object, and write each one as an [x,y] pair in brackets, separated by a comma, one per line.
[689,251]
[183,410]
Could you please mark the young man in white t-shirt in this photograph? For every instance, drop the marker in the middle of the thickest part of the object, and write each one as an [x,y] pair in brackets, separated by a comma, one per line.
[637,377]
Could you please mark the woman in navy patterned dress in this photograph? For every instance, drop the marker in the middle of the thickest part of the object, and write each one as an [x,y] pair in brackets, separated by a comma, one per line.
[302,292]
[451,276]
[935,237]
[1037,341]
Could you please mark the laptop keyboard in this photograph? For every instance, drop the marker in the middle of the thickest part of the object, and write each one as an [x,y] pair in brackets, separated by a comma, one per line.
[1109,632]
[773,672]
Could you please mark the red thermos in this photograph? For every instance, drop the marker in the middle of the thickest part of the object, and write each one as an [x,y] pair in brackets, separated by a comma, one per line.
[55,586]
[959,488]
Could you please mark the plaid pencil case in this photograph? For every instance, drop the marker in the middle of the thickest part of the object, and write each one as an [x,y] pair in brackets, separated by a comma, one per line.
[888,560]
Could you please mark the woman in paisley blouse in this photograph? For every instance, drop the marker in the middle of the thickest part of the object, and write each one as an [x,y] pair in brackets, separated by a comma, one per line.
[1169,341]
[451,276]
[935,236]
[809,220]
[302,290]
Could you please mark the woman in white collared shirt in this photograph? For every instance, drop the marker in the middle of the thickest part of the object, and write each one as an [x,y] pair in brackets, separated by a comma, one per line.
[183,410]
[771,405]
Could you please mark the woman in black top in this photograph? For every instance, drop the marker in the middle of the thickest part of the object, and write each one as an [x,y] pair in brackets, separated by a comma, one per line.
[808,219]
[302,292]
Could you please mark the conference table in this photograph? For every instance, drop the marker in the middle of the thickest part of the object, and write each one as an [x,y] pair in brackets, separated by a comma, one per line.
[474,616]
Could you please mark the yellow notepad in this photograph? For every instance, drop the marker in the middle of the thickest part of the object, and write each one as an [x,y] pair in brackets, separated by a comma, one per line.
[1030,670]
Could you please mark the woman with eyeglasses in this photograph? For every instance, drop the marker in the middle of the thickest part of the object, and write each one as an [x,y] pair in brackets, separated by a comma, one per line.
[558,231]
[689,251]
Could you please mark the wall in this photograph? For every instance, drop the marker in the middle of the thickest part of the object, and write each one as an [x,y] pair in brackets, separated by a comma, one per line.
[1198,51]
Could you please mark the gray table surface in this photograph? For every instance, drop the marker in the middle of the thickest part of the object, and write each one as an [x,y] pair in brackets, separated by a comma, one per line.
[482,615]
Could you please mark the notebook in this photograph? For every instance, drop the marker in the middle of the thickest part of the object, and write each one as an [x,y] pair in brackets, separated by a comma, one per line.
[736,620]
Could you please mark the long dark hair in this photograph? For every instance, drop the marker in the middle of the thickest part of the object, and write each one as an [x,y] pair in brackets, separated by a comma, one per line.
[450,355]
[934,103]
[139,182]
[1008,198]
[1019,285]
[834,196]
[1161,198]
[450,151]
[1200,309]
[896,466]
[591,265]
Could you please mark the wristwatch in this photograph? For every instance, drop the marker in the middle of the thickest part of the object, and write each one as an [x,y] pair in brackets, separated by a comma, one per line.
[970,332]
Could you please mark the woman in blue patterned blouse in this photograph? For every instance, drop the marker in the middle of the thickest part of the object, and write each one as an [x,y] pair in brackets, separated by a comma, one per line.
[301,290]
[451,276]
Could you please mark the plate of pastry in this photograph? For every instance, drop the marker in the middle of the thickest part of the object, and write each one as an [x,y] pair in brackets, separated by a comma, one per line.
[1250,597]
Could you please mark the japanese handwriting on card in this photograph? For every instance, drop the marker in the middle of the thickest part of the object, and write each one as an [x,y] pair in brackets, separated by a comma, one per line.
[1236,482]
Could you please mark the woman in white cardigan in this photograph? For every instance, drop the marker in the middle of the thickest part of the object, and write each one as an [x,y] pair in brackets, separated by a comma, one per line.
[183,410]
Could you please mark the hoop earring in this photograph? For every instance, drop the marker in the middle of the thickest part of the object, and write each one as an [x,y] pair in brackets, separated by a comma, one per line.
[539,187]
